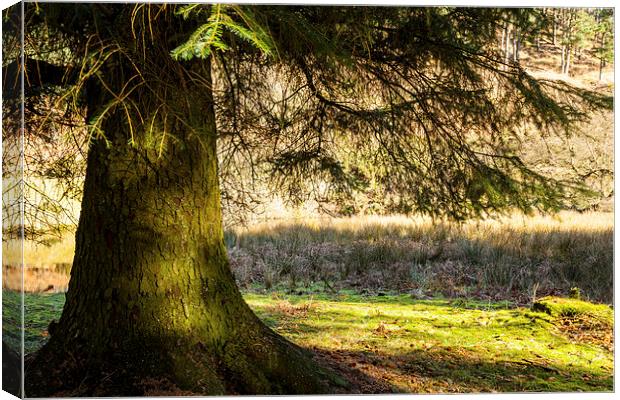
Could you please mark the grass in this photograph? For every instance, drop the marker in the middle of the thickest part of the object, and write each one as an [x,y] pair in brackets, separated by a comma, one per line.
[515,257]
[400,304]
[424,346]
[395,343]
[40,310]
[58,251]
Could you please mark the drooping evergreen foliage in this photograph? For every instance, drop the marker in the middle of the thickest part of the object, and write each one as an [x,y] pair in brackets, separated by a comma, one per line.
[418,102]
[417,105]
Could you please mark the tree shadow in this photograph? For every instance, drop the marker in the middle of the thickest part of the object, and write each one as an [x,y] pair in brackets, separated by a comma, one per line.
[454,371]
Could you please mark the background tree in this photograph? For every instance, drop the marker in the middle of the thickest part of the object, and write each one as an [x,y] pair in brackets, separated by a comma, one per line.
[522,25]
[423,92]
[604,42]
[578,27]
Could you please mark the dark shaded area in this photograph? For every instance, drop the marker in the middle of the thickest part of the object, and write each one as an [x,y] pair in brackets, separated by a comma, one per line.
[444,371]
[39,74]
[11,371]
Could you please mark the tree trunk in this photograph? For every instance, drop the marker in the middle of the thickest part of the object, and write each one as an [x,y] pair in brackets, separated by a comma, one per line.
[567,60]
[555,27]
[502,41]
[507,44]
[152,305]
[515,46]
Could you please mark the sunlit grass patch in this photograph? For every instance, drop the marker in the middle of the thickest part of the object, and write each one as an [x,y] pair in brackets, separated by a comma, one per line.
[580,320]
[574,308]
[398,343]
[55,252]
[441,345]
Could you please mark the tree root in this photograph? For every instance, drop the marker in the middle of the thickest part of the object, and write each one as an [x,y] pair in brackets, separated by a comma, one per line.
[261,363]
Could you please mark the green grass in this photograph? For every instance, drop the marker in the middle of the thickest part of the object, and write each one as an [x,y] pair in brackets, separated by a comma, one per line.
[397,343]
[573,308]
[441,345]
[40,310]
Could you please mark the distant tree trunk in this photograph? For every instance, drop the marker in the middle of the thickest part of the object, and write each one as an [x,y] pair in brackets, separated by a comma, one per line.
[516,42]
[555,27]
[502,40]
[151,295]
[566,58]
[507,43]
[602,61]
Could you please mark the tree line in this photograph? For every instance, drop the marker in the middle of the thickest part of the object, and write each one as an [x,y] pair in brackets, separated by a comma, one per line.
[574,31]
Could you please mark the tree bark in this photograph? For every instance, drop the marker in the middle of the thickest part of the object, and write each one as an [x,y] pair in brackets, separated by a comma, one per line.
[152,302]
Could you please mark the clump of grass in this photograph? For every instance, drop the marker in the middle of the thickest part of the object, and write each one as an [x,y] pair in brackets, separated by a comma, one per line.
[285,308]
[580,320]
[574,308]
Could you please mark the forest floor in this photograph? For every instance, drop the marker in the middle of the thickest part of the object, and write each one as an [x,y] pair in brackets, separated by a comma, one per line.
[396,343]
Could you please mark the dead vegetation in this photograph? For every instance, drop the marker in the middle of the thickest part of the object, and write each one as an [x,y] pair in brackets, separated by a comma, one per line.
[516,258]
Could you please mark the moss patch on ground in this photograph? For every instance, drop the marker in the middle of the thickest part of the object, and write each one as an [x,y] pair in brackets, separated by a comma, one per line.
[560,307]
[399,344]
[580,320]
[395,343]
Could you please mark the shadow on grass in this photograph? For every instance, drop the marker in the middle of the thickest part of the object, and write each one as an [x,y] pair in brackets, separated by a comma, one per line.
[454,371]
[448,367]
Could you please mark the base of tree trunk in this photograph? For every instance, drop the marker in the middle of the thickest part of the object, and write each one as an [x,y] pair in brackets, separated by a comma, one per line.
[262,363]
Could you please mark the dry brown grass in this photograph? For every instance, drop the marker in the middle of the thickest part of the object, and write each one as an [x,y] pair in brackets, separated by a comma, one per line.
[285,308]
[511,257]
[514,257]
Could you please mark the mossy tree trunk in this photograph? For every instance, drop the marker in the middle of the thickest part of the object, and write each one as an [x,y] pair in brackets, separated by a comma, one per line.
[151,300]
